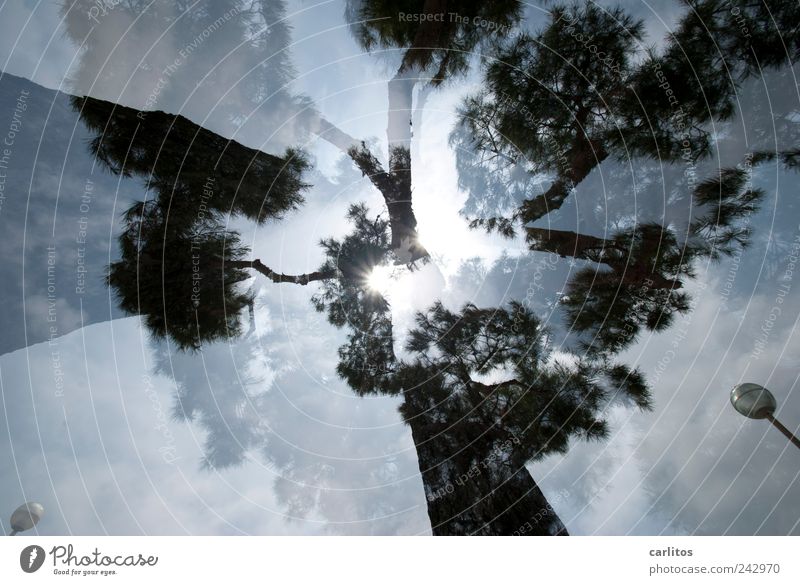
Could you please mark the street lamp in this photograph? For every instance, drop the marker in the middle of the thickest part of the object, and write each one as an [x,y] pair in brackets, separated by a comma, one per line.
[754,401]
[26,517]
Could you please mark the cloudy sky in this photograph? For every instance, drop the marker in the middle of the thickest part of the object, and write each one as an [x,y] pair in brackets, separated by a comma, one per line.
[89,423]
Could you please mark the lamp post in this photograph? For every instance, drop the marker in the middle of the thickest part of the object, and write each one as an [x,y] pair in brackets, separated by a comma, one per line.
[754,401]
[26,517]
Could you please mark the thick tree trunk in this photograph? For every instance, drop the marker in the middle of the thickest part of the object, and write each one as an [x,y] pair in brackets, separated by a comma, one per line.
[469,486]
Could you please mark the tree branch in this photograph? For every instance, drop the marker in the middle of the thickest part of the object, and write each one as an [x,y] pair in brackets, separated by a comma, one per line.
[302,279]
[567,244]
[581,160]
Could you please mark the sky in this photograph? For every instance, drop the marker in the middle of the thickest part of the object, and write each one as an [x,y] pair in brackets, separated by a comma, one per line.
[92,426]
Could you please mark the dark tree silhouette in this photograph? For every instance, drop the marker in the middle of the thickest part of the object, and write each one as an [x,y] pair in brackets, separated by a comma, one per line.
[349,300]
[178,279]
[191,168]
[180,268]
[482,391]
[473,437]
[184,275]
[750,35]
[441,35]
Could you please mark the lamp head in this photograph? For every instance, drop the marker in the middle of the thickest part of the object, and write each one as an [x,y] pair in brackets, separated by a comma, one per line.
[753,401]
[26,516]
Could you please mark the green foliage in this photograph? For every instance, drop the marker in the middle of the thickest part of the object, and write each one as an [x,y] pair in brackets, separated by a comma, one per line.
[613,310]
[368,356]
[648,265]
[544,95]
[584,89]
[354,258]
[743,36]
[181,281]
[722,202]
[540,401]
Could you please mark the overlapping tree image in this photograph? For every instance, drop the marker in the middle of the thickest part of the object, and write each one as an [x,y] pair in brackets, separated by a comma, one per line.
[483,389]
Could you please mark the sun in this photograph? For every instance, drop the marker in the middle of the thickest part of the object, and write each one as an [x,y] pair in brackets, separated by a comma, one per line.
[381,279]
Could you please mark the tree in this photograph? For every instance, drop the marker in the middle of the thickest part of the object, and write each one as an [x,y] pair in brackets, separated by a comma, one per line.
[350,301]
[249,61]
[184,276]
[432,39]
[191,168]
[473,437]
[561,102]
[481,390]
[441,35]
[180,268]
[639,272]
[183,282]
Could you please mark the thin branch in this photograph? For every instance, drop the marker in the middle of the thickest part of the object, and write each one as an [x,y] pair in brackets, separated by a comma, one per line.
[302,279]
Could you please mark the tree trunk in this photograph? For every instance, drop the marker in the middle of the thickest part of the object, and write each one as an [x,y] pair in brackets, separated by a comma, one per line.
[469,488]
[394,185]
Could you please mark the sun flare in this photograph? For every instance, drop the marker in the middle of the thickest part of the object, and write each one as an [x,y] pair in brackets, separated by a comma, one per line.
[381,278]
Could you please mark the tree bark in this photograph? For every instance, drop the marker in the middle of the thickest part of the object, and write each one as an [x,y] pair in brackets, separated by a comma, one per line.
[569,244]
[394,186]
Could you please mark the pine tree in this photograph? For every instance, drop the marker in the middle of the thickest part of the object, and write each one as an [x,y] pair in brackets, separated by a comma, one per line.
[190,167]
[442,35]
[581,91]
[473,438]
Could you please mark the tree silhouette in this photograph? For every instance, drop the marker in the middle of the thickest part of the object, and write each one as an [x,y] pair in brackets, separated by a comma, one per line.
[750,35]
[473,437]
[639,272]
[190,167]
[432,39]
[180,268]
[583,90]
[350,301]
[178,279]
[482,391]
[184,275]
[441,35]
